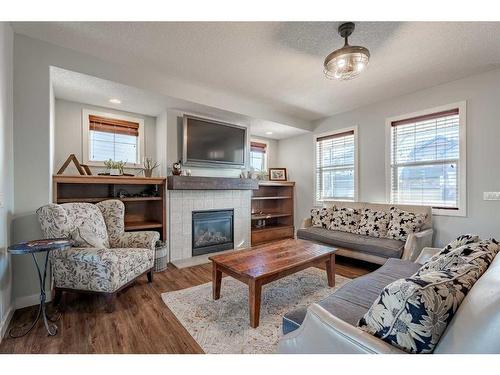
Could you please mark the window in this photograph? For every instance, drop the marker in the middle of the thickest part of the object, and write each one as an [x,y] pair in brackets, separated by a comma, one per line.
[427,160]
[113,137]
[258,156]
[336,161]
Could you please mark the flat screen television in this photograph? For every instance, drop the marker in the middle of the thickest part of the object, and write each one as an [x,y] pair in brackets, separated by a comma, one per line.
[213,143]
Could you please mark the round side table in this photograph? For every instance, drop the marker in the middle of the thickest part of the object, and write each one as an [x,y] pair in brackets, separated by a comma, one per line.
[32,247]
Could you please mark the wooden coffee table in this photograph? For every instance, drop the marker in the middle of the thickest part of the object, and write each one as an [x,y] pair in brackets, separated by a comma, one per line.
[262,264]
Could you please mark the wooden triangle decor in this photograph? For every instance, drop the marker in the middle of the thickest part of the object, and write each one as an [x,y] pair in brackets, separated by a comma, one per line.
[83,169]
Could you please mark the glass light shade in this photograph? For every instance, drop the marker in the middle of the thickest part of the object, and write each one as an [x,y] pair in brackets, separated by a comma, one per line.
[346,63]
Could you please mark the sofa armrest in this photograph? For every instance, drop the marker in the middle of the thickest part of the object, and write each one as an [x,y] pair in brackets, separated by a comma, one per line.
[322,333]
[415,243]
[426,254]
[306,223]
[143,239]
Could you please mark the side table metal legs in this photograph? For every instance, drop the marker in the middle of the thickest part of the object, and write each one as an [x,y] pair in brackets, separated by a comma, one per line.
[42,312]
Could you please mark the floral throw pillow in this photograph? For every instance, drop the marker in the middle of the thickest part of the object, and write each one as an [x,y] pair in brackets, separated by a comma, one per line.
[373,223]
[464,239]
[413,313]
[321,217]
[479,254]
[403,223]
[345,220]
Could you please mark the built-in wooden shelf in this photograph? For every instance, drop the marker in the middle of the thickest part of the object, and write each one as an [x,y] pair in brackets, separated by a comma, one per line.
[136,225]
[269,216]
[273,203]
[271,228]
[210,183]
[100,199]
[268,198]
[141,212]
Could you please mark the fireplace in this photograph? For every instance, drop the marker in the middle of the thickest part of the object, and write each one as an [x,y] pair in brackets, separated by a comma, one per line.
[212,231]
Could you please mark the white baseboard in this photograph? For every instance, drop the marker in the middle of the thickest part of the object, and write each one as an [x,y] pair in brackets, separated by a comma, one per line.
[31,300]
[4,324]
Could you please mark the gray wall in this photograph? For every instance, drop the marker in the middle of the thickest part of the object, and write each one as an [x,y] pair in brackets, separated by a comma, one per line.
[68,132]
[6,172]
[482,93]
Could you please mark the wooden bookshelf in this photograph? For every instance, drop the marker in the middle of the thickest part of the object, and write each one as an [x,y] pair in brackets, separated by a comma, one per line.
[272,205]
[144,208]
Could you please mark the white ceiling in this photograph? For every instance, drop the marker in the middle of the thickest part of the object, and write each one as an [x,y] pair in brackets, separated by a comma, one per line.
[280,63]
[83,88]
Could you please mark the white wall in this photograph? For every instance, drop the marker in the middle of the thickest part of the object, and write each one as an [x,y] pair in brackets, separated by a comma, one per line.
[482,93]
[6,172]
[69,127]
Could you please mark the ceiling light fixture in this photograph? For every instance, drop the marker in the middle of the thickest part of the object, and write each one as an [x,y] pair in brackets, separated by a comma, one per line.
[349,61]
[269,133]
[115,101]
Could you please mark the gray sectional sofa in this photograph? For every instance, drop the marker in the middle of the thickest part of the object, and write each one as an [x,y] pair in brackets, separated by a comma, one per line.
[372,249]
[330,326]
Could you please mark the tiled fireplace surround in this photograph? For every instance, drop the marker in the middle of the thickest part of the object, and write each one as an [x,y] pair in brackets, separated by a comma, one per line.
[183,202]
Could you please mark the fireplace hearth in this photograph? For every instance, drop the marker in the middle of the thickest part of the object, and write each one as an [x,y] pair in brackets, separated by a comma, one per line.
[213,230]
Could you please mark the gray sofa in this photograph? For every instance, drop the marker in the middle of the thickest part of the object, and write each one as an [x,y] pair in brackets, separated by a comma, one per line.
[372,249]
[330,326]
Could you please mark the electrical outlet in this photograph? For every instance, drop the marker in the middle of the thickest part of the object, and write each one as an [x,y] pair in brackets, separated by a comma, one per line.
[491,196]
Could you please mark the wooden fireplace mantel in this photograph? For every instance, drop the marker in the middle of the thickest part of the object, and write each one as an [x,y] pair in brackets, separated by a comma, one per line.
[210,183]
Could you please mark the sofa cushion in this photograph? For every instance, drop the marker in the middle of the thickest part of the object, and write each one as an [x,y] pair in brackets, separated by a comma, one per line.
[413,313]
[352,301]
[383,247]
[321,217]
[480,254]
[345,219]
[373,223]
[99,269]
[88,225]
[403,223]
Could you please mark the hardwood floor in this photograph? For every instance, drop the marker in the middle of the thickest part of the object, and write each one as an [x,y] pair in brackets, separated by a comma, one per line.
[141,322]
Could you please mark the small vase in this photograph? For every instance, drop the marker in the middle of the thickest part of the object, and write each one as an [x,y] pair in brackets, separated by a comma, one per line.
[115,172]
[148,172]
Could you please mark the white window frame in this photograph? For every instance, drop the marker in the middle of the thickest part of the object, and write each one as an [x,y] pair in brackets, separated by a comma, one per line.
[86,137]
[266,157]
[462,163]
[319,203]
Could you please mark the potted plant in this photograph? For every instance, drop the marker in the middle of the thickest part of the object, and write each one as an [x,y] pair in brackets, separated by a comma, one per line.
[149,165]
[115,168]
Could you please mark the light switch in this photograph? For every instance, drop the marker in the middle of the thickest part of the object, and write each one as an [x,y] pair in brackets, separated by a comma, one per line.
[491,196]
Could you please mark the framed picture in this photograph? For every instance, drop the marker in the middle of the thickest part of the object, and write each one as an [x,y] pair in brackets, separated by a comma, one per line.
[277,174]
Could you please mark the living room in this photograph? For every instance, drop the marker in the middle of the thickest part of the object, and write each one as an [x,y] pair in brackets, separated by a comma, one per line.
[285,187]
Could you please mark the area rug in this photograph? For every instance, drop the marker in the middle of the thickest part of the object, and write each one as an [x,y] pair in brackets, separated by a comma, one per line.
[222,326]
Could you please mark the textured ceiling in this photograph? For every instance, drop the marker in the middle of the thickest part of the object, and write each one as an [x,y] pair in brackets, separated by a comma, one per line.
[82,88]
[280,63]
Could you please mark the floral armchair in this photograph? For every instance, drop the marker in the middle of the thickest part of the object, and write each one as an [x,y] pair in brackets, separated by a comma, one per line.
[104,258]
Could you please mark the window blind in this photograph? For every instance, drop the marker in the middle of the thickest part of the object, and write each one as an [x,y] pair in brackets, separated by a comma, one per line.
[114,139]
[258,147]
[425,156]
[335,167]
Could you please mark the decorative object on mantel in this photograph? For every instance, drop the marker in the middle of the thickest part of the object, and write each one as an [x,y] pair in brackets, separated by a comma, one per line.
[115,168]
[263,175]
[177,168]
[149,166]
[83,169]
[277,174]
[32,247]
